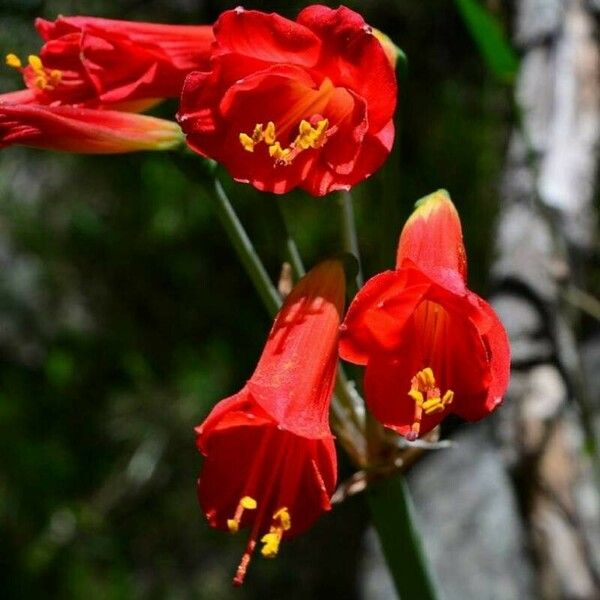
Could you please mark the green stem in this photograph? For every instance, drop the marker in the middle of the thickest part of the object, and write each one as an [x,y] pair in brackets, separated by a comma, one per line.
[245,251]
[389,500]
[350,237]
[290,243]
[393,516]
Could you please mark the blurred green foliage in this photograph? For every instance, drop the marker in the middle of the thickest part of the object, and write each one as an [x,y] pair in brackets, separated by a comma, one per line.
[125,316]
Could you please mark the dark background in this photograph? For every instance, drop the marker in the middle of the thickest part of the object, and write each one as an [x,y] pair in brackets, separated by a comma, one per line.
[125,315]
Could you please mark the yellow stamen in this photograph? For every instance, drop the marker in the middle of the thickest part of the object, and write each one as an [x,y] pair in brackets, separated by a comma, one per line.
[282,521]
[41,82]
[35,62]
[309,136]
[281,155]
[269,135]
[247,142]
[44,79]
[233,525]
[245,503]
[271,543]
[12,60]
[283,515]
[427,398]
[248,503]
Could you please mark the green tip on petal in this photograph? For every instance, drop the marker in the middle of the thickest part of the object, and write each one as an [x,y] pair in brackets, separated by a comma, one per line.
[433,198]
[432,235]
[395,55]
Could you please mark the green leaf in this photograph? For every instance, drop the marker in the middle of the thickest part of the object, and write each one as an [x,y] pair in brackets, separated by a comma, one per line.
[487,33]
[392,513]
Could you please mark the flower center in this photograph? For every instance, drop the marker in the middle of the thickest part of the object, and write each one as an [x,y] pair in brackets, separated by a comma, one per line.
[311,134]
[427,397]
[45,79]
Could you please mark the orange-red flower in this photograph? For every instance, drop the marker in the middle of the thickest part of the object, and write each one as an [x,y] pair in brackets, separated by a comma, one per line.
[430,345]
[305,103]
[270,458]
[92,62]
[84,130]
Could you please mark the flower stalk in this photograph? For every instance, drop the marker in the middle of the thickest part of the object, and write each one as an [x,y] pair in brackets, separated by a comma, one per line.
[393,516]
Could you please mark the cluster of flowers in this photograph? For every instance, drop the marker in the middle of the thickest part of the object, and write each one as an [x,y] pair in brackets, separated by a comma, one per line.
[430,346]
[282,104]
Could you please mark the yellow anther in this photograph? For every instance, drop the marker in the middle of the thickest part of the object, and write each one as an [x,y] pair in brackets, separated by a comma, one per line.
[257,134]
[248,503]
[426,378]
[283,515]
[41,82]
[279,154]
[269,134]
[271,543]
[433,405]
[245,503]
[448,397]
[55,75]
[12,60]
[282,521]
[427,398]
[247,142]
[417,396]
[309,136]
[35,62]
[233,525]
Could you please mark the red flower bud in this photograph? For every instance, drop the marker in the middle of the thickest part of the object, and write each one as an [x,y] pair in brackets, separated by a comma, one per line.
[430,345]
[270,458]
[289,104]
[84,130]
[86,61]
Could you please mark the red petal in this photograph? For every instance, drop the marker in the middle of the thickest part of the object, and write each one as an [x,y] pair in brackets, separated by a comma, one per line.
[387,382]
[432,237]
[377,316]
[267,37]
[348,113]
[497,345]
[353,57]
[275,467]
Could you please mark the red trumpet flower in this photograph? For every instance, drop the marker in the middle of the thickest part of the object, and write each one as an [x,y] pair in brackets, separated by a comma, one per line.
[305,103]
[91,62]
[270,458]
[84,130]
[430,345]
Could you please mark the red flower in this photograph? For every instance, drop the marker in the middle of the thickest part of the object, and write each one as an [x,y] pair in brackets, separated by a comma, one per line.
[84,130]
[93,62]
[270,458]
[306,103]
[430,345]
